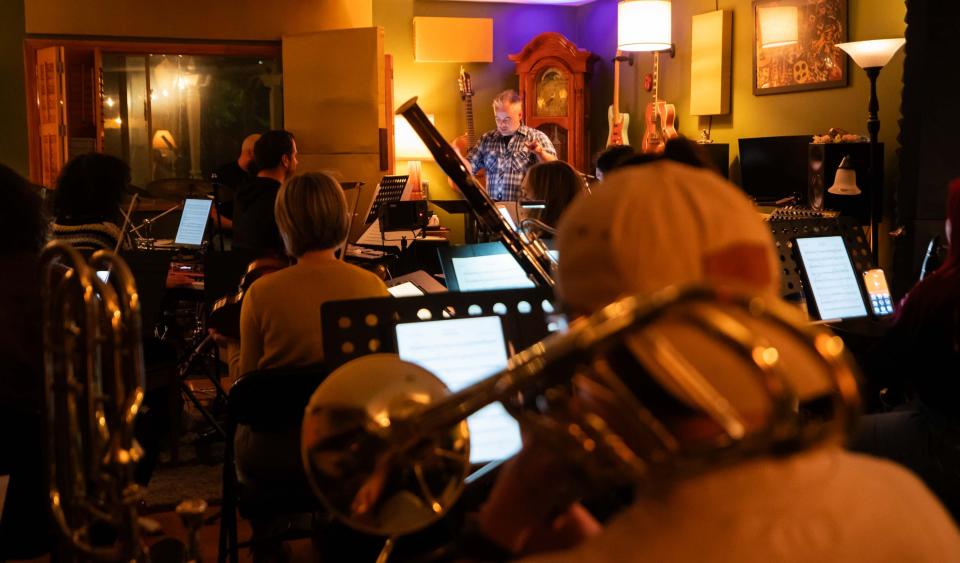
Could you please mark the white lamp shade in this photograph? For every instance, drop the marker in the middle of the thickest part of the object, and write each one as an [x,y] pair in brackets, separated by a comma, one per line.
[778,25]
[407,143]
[644,25]
[875,53]
[845,182]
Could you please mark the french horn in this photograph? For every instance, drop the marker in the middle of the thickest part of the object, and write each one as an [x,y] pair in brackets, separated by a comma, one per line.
[642,391]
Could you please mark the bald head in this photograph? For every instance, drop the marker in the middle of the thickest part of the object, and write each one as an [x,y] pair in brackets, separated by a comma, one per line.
[246,151]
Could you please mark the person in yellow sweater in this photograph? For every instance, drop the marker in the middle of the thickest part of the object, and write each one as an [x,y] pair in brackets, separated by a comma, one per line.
[280,323]
[280,317]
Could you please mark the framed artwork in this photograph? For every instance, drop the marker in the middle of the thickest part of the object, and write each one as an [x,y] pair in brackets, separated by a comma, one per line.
[791,57]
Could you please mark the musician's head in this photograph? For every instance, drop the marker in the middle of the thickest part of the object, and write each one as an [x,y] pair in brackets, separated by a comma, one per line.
[612,157]
[508,112]
[556,183]
[311,212]
[246,158]
[23,227]
[276,151]
[650,226]
[89,189]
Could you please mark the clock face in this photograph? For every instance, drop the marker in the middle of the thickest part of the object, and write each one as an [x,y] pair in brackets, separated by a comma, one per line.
[553,89]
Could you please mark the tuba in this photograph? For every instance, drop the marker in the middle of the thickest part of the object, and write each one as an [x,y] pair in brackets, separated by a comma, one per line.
[93,389]
[641,392]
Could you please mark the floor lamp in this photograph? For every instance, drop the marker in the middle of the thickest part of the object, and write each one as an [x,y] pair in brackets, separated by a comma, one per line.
[872,56]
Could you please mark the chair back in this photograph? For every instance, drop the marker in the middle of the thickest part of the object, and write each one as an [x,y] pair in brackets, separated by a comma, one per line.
[273,400]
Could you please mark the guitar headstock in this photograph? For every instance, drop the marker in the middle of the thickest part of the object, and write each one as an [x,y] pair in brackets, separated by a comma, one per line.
[466,87]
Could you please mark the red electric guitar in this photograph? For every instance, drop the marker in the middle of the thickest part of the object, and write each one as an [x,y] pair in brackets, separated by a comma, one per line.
[660,118]
[617,122]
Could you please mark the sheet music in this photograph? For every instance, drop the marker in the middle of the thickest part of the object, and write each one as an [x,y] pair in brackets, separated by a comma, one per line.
[833,281]
[390,238]
[193,221]
[461,352]
[495,271]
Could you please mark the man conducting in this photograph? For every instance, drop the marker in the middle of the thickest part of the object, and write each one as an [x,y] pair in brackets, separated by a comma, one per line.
[506,152]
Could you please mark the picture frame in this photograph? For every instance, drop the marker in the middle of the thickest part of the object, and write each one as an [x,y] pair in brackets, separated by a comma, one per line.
[810,62]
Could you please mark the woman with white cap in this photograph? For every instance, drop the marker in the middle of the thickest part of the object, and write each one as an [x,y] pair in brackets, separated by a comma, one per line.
[663,224]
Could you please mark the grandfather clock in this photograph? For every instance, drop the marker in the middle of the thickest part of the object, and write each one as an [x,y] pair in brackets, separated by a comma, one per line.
[553,73]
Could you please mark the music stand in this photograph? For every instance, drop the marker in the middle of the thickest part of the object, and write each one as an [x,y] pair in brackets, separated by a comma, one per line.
[348,332]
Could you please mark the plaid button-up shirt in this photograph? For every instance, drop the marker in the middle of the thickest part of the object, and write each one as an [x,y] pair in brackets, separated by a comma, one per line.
[506,163]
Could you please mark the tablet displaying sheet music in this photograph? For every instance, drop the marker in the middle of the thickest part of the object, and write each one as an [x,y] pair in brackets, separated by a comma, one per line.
[830,277]
[483,267]
[193,222]
[461,352]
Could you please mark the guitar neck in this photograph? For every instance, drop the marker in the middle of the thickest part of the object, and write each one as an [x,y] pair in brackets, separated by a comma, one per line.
[471,133]
[656,75]
[616,87]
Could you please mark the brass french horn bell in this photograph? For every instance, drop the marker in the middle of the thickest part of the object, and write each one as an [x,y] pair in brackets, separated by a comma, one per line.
[385,445]
[352,426]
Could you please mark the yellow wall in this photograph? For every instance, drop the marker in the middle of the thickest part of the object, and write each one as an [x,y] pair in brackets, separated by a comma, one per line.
[785,114]
[194,19]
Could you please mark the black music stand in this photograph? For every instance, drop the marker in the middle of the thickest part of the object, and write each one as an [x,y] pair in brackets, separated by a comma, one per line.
[358,327]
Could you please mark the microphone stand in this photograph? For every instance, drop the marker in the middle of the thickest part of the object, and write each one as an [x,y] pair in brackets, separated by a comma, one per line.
[533,261]
[149,222]
[214,181]
[126,223]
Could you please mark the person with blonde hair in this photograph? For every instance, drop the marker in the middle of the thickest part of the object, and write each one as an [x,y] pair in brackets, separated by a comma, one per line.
[509,150]
[280,324]
[280,317]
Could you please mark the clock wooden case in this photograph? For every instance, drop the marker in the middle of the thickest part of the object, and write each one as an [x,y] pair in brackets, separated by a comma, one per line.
[553,74]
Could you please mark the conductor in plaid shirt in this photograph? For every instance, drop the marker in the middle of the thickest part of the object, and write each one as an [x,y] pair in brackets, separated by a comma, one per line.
[509,150]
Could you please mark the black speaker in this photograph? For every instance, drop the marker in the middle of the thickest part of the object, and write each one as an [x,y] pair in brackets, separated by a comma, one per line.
[719,154]
[823,161]
[404,215]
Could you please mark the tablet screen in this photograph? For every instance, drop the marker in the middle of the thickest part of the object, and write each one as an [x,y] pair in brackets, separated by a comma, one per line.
[833,282]
[461,352]
[405,289]
[193,221]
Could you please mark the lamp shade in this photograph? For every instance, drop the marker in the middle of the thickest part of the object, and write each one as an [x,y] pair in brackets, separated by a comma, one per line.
[845,182]
[406,141]
[875,53]
[779,26]
[644,25]
[163,140]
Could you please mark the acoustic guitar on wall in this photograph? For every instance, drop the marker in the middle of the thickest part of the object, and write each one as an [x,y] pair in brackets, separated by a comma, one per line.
[661,117]
[617,122]
[468,141]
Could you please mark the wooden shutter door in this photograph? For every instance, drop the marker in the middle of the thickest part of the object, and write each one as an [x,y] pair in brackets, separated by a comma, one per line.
[53,123]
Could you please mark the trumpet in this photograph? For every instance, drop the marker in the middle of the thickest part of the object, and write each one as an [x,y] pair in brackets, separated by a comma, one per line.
[386,447]
[93,389]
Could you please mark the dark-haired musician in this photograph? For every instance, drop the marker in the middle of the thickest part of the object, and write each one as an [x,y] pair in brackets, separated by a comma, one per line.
[254,226]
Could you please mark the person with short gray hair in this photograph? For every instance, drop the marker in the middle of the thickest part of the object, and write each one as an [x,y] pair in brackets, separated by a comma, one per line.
[509,150]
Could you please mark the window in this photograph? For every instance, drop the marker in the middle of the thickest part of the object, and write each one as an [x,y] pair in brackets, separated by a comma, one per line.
[169,110]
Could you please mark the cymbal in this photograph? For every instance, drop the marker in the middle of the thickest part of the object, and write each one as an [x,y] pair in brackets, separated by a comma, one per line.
[132,189]
[179,188]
